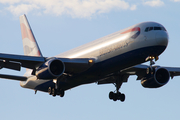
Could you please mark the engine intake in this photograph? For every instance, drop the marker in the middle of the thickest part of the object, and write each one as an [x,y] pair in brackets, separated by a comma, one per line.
[50,69]
[159,78]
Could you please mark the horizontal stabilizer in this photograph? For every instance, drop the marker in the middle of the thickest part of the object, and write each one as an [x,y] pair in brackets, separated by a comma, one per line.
[13,77]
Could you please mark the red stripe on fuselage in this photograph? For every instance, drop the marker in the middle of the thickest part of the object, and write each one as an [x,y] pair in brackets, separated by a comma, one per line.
[131,30]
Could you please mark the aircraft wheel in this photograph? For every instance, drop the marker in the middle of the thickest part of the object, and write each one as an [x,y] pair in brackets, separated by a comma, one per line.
[50,91]
[54,92]
[111,95]
[115,97]
[122,97]
[61,93]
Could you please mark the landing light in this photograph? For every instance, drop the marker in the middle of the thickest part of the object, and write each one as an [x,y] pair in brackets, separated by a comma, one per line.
[90,61]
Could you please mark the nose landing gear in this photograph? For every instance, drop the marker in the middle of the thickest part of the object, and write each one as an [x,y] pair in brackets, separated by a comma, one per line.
[151,70]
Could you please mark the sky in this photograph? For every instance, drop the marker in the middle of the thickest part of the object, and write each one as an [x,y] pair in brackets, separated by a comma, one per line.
[60,25]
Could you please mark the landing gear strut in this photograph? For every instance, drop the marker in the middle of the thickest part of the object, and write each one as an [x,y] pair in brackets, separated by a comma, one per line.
[117,95]
[151,70]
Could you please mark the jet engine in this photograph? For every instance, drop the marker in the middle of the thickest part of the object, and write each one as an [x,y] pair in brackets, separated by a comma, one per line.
[51,69]
[159,78]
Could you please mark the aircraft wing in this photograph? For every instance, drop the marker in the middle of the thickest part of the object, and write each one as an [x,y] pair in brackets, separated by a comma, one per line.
[15,62]
[139,70]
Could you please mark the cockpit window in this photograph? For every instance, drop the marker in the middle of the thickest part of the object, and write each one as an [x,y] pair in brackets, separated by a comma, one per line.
[146,30]
[154,28]
[151,28]
[163,28]
[157,28]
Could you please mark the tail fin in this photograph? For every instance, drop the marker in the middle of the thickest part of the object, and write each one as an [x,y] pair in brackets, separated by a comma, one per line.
[30,45]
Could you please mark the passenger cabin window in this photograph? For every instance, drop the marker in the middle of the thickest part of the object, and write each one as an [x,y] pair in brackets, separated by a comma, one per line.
[154,28]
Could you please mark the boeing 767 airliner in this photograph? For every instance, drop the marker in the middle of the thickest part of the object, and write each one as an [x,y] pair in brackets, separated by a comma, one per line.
[111,59]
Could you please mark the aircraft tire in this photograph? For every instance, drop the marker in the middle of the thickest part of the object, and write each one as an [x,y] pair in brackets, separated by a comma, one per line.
[115,97]
[50,91]
[122,97]
[111,95]
[61,93]
[54,92]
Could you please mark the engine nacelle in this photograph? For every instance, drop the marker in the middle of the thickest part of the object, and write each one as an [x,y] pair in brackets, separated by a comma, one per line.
[51,69]
[159,78]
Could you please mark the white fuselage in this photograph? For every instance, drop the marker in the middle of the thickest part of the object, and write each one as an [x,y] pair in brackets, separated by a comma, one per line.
[118,43]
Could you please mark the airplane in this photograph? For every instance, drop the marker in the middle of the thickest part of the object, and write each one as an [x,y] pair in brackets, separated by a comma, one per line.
[108,60]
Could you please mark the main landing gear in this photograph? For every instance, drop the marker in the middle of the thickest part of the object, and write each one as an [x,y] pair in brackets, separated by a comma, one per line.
[53,91]
[117,95]
[56,90]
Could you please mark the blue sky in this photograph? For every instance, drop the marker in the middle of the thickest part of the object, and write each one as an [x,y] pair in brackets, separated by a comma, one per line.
[62,25]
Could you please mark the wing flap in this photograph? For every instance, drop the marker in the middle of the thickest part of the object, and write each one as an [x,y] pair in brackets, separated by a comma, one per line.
[10,65]
[26,61]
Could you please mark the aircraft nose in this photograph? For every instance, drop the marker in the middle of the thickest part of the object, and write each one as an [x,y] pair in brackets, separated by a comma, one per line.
[162,38]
